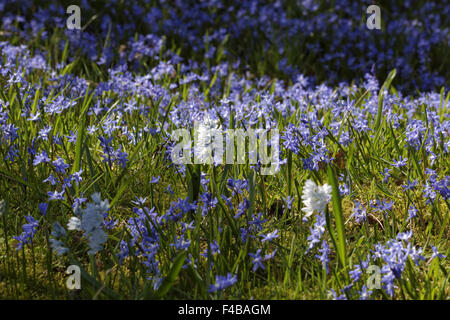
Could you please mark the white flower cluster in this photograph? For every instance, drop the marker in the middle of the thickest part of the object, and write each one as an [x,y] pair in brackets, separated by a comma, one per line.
[314,197]
[209,139]
[91,223]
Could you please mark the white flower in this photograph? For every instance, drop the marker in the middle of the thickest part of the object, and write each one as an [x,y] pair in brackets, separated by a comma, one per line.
[74,224]
[209,139]
[314,197]
[92,222]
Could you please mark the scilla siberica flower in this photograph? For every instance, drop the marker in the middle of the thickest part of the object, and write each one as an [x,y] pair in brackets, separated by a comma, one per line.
[323,257]
[314,197]
[29,230]
[316,232]
[223,282]
[359,212]
[394,255]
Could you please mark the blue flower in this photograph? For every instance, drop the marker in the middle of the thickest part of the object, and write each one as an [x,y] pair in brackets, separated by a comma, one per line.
[155,179]
[356,273]
[336,297]
[43,208]
[359,213]
[237,185]
[77,202]
[223,282]
[208,202]
[410,185]
[244,234]
[123,251]
[316,232]
[41,158]
[323,257]
[60,165]
[436,254]
[429,193]
[270,255]
[181,243]
[227,201]
[404,236]
[386,175]
[257,222]
[51,178]
[139,201]
[242,208]
[400,163]
[76,176]
[288,203]
[43,133]
[412,212]
[382,206]
[270,236]
[29,230]
[56,195]
[364,294]
[214,249]
[257,260]
[169,190]
[121,157]
[187,226]
[72,138]
[395,254]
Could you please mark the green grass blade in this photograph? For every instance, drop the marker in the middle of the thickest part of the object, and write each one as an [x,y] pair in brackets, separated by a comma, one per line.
[171,277]
[338,215]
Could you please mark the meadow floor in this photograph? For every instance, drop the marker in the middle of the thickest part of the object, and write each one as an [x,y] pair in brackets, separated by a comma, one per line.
[119,164]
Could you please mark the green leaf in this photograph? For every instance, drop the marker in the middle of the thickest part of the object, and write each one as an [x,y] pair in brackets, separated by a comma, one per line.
[338,215]
[80,134]
[386,85]
[171,276]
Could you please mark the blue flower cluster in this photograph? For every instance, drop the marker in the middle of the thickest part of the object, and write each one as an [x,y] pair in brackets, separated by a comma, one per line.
[331,35]
[29,230]
[166,65]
